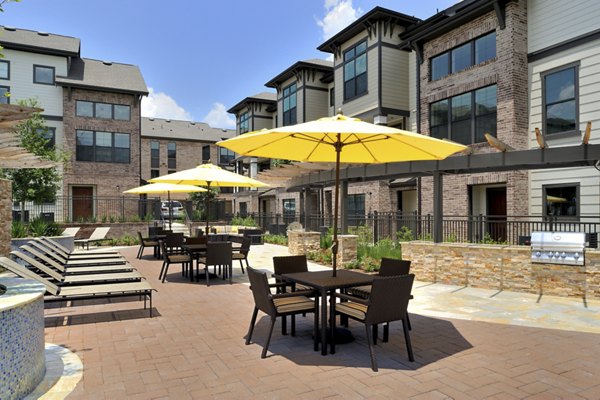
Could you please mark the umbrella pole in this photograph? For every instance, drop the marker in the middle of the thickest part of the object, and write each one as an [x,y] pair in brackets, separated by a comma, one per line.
[334,247]
[207,204]
[170,209]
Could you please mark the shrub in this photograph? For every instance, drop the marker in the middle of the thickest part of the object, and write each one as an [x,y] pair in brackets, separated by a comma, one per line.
[18,229]
[327,240]
[275,239]
[248,221]
[405,234]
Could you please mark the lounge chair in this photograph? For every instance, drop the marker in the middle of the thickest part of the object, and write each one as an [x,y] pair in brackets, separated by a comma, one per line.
[62,278]
[72,231]
[73,292]
[66,253]
[83,255]
[76,262]
[98,235]
[73,268]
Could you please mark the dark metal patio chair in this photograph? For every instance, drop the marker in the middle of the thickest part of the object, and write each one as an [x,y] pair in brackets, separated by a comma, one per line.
[276,305]
[242,253]
[218,254]
[173,256]
[388,302]
[146,242]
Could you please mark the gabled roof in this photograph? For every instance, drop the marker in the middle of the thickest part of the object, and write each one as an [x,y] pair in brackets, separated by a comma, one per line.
[268,98]
[39,42]
[376,14]
[183,130]
[103,75]
[315,63]
[448,19]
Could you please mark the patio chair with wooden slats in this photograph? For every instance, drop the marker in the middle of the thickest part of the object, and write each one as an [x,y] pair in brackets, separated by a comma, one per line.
[388,302]
[98,235]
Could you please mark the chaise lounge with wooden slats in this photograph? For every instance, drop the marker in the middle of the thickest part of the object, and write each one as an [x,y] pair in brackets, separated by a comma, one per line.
[98,235]
[76,262]
[87,292]
[75,255]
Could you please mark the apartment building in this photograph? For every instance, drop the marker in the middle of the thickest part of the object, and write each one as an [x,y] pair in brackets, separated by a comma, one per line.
[92,108]
[563,50]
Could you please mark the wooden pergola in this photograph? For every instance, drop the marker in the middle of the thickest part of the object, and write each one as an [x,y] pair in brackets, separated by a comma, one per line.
[12,155]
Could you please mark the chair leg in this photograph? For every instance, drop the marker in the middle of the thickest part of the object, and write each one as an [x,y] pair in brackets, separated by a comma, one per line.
[386,332]
[266,348]
[408,321]
[162,270]
[293,324]
[407,339]
[165,273]
[140,251]
[331,326]
[251,327]
[316,325]
[371,348]
[375,333]
[206,274]
[247,264]
[242,266]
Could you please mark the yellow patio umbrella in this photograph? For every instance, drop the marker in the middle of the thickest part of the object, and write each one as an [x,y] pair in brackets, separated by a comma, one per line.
[168,188]
[208,175]
[341,139]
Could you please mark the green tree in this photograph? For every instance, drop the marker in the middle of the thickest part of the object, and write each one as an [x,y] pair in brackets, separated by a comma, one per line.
[35,184]
[201,198]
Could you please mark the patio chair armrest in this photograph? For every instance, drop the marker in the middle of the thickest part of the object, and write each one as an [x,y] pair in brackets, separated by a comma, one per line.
[278,285]
[291,294]
[352,298]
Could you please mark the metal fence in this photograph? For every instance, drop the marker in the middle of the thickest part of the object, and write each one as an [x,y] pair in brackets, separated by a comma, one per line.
[375,226]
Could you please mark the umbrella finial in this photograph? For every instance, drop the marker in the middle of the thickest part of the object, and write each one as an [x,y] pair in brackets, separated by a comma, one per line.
[340,112]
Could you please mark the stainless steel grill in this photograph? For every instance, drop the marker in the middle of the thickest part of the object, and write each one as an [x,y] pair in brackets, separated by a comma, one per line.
[558,248]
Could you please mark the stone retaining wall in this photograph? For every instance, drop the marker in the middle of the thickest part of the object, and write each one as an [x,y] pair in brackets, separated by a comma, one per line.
[502,268]
[300,242]
[5,216]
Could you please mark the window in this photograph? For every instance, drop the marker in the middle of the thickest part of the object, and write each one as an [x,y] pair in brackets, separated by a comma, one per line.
[355,71]
[84,108]
[561,200]
[4,95]
[289,206]
[121,113]
[243,209]
[154,154]
[4,69]
[332,97]
[172,155]
[560,93]
[48,134]
[244,123]
[43,74]
[465,118]
[102,146]
[154,173]
[206,154]
[356,208]
[226,156]
[289,105]
[468,54]
[103,110]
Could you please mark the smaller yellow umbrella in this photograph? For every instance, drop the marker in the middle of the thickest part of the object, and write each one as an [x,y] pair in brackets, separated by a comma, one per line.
[160,188]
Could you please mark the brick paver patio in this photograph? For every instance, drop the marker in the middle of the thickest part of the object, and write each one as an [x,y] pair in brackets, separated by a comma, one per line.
[194,348]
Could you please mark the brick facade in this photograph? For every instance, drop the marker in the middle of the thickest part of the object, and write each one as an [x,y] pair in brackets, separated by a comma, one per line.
[107,179]
[509,72]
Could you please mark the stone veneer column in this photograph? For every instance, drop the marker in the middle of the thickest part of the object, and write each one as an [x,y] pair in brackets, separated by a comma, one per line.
[5,216]
[347,252]
[300,242]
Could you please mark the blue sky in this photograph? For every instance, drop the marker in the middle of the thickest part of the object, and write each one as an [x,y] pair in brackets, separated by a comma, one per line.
[199,58]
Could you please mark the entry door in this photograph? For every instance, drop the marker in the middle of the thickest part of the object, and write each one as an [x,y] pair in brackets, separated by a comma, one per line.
[83,202]
[496,211]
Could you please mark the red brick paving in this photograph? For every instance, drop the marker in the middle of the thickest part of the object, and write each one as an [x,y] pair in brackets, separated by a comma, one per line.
[194,348]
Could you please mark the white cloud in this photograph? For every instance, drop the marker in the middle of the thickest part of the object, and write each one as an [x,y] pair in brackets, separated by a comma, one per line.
[339,14]
[218,117]
[161,105]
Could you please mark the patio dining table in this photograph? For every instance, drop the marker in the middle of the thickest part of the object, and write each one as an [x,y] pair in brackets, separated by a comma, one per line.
[326,283]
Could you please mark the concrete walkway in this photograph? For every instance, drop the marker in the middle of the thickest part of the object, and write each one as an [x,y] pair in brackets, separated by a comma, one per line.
[468,344]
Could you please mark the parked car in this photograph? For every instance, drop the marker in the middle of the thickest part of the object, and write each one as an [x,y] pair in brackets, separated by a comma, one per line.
[176,207]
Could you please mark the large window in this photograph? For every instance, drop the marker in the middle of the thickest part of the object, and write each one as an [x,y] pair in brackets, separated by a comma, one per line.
[244,123]
[102,110]
[4,97]
[465,118]
[172,155]
[561,200]
[467,54]
[4,69]
[560,93]
[43,74]
[101,146]
[154,154]
[289,206]
[356,208]
[332,97]
[355,71]
[289,105]
[226,156]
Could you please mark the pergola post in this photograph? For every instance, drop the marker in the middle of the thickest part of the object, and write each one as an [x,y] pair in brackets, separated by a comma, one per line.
[438,206]
[344,207]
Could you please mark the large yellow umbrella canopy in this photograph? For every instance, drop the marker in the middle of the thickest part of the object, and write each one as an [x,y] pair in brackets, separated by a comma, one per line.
[341,139]
[161,188]
[208,175]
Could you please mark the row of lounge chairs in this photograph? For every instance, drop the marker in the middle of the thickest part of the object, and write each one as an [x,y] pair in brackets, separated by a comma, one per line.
[77,276]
